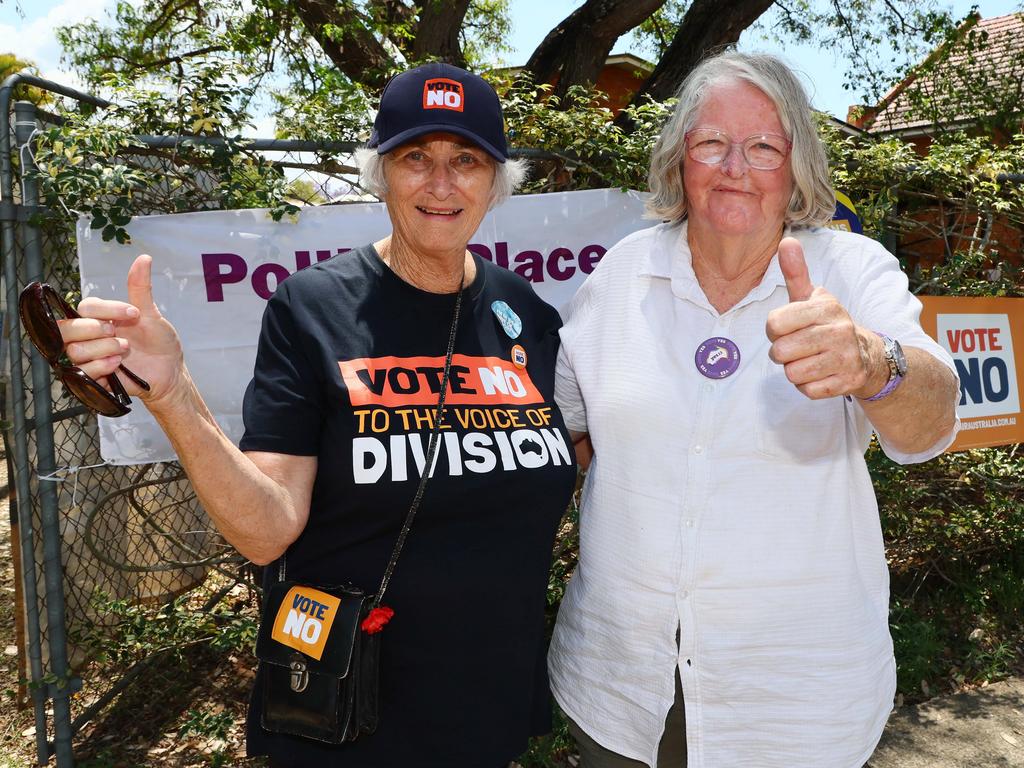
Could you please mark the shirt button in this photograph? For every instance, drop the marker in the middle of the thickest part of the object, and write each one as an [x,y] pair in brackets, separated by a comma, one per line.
[685,594]
[709,388]
[689,523]
[698,449]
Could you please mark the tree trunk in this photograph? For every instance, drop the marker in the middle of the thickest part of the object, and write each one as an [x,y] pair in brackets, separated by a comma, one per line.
[707,26]
[576,49]
[358,53]
[437,33]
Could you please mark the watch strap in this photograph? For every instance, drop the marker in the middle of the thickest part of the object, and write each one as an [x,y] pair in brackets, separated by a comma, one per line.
[884,391]
[895,377]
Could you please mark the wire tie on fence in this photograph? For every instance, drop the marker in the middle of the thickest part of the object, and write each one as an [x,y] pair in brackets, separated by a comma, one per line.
[60,474]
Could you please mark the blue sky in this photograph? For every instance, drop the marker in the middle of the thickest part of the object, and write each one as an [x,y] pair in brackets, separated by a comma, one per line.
[32,37]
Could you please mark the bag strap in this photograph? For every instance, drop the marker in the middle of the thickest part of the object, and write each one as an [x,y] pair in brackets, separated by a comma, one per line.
[428,464]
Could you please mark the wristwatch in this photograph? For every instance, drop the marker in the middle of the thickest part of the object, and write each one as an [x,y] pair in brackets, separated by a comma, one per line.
[897,367]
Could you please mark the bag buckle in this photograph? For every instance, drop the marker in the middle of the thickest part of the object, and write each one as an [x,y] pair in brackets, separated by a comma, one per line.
[299,676]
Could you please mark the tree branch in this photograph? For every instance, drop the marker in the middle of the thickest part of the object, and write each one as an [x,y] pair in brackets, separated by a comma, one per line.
[576,49]
[179,58]
[358,54]
[437,34]
[167,15]
[707,26]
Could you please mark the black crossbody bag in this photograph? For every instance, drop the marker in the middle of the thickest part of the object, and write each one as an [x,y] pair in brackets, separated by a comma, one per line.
[319,646]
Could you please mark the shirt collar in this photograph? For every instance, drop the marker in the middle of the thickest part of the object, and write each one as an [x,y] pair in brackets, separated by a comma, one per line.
[657,262]
[670,258]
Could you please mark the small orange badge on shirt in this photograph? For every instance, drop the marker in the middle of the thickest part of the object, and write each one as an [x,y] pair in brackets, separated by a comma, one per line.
[518,356]
[304,620]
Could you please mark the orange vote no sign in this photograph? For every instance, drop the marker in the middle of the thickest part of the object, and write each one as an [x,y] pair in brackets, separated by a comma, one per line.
[985,336]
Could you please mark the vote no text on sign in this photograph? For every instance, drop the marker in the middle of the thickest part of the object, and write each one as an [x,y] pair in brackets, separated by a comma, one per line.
[985,336]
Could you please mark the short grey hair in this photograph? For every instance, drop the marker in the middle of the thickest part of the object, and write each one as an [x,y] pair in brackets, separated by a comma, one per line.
[508,176]
[813,200]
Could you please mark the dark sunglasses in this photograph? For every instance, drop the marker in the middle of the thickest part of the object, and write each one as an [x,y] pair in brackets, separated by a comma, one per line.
[39,306]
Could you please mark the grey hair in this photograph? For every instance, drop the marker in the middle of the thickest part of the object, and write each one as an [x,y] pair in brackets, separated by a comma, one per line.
[813,200]
[508,176]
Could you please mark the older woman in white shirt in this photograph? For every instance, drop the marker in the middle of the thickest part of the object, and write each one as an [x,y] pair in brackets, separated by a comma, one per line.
[728,368]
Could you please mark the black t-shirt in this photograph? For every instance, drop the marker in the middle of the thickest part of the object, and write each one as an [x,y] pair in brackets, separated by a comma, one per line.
[348,370]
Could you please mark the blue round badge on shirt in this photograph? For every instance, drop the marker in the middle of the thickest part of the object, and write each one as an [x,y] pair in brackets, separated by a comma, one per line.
[509,320]
[717,357]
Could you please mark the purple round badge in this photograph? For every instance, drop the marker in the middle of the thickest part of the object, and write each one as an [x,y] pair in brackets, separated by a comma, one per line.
[717,357]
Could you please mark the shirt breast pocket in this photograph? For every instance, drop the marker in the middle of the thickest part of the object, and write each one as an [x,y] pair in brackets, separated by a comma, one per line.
[791,426]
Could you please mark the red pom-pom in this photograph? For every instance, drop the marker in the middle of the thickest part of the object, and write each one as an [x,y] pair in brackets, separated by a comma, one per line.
[376,619]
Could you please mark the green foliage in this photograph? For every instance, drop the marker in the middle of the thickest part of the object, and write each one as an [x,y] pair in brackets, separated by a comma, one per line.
[288,49]
[93,164]
[213,724]
[961,195]
[655,33]
[131,632]
[877,41]
[210,724]
[104,189]
[154,36]
[306,192]
[332,108]
[274,46]
[10,64]
[552,750]
[954,530]
[594,151]
[486,32]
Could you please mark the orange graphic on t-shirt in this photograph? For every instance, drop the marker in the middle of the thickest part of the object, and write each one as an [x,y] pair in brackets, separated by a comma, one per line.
[403,381]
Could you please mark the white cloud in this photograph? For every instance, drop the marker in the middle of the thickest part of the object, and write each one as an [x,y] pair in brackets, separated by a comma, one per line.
[33,38]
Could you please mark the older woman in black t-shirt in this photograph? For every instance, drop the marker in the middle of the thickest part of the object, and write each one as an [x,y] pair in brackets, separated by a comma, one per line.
[337,420]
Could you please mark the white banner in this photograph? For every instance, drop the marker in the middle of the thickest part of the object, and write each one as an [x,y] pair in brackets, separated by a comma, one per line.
[213,271]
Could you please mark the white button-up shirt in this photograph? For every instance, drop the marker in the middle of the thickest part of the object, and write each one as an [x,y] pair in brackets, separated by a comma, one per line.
[736,509]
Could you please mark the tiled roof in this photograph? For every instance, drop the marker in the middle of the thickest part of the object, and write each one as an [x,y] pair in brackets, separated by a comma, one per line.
[1002,57]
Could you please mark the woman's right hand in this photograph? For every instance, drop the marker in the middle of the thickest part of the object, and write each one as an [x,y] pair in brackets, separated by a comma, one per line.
[134,333]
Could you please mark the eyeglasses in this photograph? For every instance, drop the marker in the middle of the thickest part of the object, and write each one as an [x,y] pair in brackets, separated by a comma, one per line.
[38,306]
[762,151]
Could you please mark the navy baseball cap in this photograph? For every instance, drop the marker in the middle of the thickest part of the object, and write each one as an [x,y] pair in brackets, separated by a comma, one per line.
[439,97]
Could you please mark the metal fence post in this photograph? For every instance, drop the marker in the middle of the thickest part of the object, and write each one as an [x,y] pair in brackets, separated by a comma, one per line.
[53,573]
[21,499]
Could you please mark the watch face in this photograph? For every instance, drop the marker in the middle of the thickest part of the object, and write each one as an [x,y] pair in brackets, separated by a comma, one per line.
[899,358]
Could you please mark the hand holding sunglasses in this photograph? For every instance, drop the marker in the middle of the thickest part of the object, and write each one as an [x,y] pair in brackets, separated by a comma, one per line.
[40,306]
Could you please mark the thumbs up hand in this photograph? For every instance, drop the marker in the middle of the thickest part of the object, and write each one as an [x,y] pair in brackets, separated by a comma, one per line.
[111,332]
[824,353]
[794,269]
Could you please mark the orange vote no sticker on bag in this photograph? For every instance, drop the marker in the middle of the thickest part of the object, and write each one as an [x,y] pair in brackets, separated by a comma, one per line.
[304,620]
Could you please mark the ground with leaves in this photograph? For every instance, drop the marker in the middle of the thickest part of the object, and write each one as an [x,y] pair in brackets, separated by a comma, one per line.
[188,712]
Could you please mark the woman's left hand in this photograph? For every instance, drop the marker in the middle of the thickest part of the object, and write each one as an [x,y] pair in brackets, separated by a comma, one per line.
[825,354]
